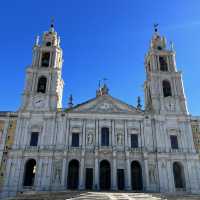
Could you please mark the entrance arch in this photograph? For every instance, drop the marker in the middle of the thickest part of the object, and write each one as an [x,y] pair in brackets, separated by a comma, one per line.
[179,177]
[29,173]
[104,175]
[73,175]
[136,176]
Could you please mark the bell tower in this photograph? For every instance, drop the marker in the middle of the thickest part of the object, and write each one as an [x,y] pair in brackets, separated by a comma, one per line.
[164,91]
[44,83]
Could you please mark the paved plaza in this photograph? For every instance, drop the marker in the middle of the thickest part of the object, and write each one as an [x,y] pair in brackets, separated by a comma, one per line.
[101,196]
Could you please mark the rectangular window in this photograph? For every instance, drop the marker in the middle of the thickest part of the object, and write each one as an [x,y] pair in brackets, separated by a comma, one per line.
[45,59]
[75,139]
[174,141]
[134,141]
[105,136]
[34,139]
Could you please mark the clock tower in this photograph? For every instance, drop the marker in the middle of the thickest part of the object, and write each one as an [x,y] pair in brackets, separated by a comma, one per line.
[44,83]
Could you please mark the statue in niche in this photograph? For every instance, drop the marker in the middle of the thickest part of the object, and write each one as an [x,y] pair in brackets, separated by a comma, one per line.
[119,139]
[89,138]
[152,174]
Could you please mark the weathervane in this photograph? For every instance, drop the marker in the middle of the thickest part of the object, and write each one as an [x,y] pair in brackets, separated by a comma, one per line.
[155,28]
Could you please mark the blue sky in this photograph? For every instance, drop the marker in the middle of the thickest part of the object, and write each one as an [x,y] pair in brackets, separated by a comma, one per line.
[100,38]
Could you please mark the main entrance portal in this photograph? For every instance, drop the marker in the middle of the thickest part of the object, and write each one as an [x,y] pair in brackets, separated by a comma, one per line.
[104,175]
[73,175]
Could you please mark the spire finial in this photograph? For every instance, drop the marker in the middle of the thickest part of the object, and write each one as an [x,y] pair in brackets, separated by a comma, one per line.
[139,106]
[155,28]
[70,101]
[171,46]
[52,24]
[37,38]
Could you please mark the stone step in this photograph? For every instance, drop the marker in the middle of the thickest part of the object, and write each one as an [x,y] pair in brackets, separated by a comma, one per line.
[84,195]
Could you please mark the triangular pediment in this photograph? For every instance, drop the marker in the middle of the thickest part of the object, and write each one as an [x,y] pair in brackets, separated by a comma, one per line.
[105,104]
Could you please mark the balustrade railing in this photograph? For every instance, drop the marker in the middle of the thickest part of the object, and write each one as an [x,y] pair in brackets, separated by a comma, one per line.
[147,149]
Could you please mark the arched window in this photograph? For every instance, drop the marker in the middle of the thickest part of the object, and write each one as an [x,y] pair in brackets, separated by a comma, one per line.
[166,88]
[48,44]
[42,82]
[163,64]
[45,59]
[105,136]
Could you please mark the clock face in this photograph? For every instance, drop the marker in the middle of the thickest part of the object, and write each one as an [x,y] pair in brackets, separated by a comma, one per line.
[39,102]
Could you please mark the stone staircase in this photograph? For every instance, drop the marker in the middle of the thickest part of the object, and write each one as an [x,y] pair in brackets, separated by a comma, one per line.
[79,195]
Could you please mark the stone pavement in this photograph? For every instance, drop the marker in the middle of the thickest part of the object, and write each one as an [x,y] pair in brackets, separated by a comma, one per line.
[78,195]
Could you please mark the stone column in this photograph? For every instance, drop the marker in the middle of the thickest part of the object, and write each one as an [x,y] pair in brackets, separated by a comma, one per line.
[64,177]
[38,177]
[96,178]
[146,175]
[83,138]
[114,172]
[8,172]
[128,172]
[170,177]
[113,132]
[97,133]
[67,133]
[126,135]
[82,170]
[25,132]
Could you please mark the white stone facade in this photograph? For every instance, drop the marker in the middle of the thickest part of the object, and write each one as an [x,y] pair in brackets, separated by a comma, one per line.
[162,118]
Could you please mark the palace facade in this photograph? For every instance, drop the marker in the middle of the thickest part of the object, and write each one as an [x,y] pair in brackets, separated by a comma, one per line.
[103,143]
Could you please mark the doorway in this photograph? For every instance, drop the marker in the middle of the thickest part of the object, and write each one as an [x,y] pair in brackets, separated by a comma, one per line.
[89,178]
[120,179]
[73,175]
[136,176]
[29,173]
[104,175]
